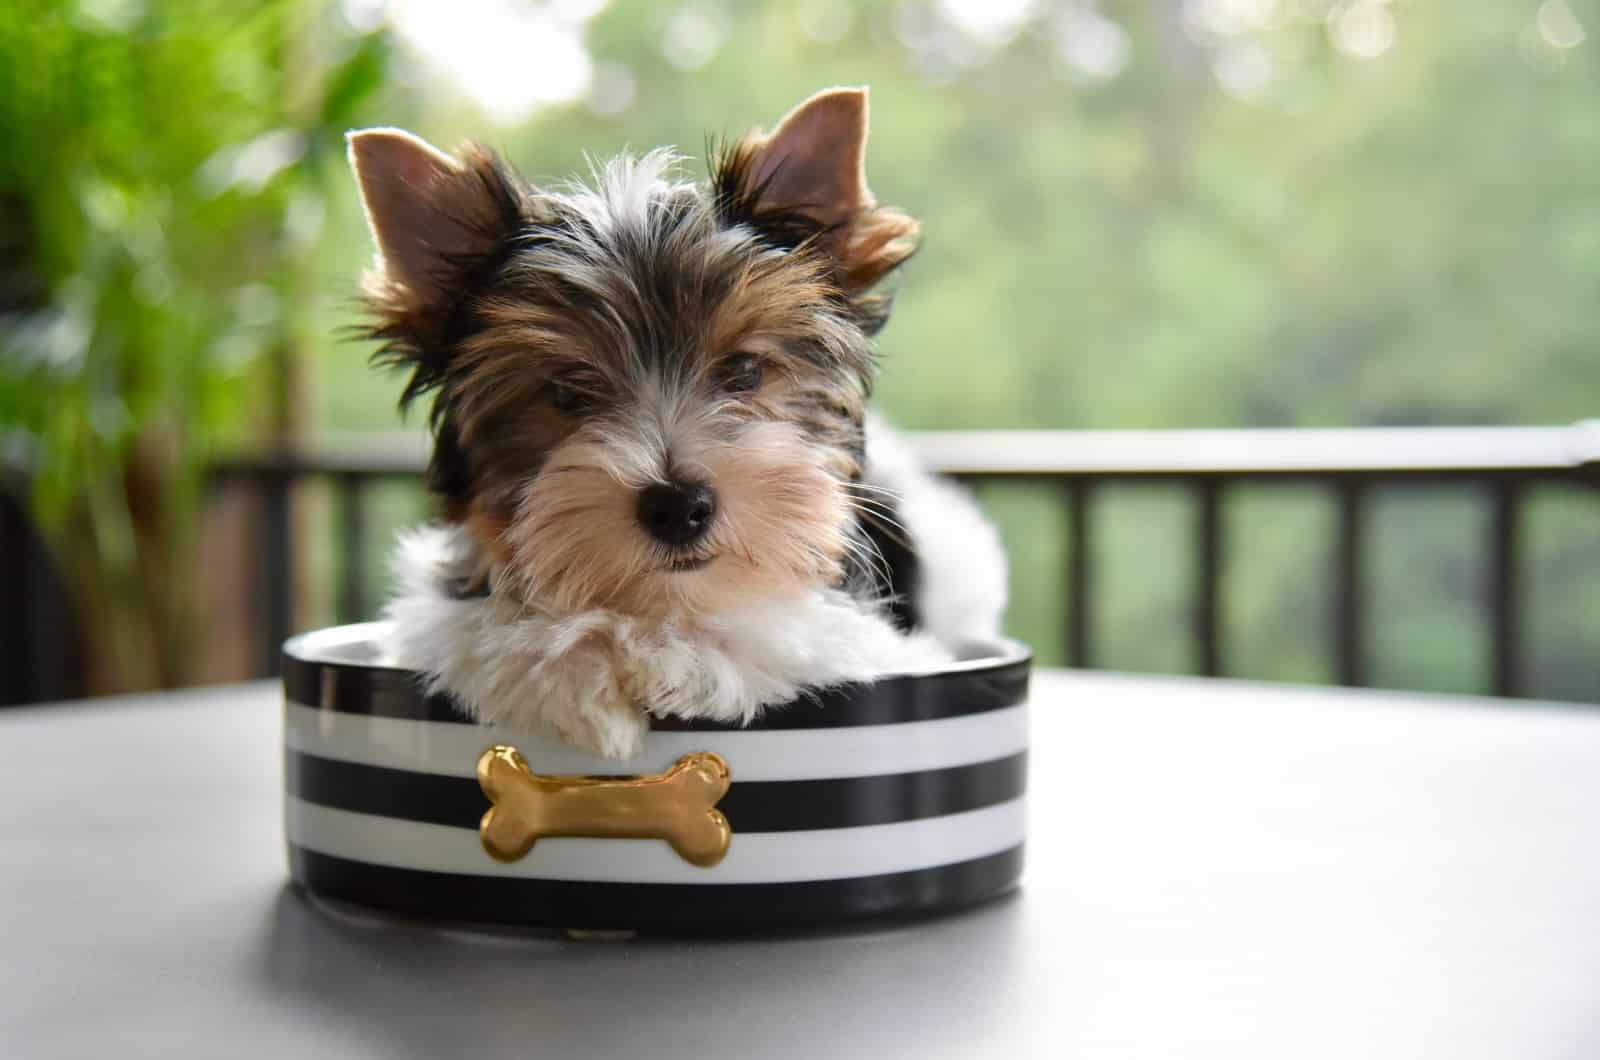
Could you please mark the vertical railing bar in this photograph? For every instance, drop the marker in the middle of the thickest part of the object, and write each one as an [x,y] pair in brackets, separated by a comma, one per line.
[277,579]
[51,646]
[1080,585]
[1504,587]
[1349,605]
[1208,568]
[352,547]
[24,626]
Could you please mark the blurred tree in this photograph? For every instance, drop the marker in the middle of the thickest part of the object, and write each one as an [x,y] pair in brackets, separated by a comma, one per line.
[155,205]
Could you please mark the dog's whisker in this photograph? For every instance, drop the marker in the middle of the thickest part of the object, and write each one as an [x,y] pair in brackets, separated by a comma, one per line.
[878,516]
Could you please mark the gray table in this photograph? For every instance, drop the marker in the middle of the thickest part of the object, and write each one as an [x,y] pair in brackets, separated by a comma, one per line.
[1216,869]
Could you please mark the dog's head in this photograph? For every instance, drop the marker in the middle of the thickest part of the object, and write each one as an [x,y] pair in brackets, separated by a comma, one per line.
[648,394]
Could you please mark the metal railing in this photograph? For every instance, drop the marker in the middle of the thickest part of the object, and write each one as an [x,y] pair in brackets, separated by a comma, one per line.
[1503,462]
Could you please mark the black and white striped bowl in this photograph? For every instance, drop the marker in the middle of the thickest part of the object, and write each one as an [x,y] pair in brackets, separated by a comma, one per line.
[901,798]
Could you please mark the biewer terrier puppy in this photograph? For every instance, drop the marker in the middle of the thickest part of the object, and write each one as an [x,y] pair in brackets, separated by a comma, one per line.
[662,493]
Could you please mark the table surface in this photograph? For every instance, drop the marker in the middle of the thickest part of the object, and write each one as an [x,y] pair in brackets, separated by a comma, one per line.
[1215,869]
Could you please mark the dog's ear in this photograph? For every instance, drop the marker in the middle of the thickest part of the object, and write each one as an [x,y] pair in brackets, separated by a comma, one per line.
[814,161]
[434,217]
[812,166]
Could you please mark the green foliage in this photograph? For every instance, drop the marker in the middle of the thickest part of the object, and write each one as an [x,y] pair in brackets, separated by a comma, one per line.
[156,200]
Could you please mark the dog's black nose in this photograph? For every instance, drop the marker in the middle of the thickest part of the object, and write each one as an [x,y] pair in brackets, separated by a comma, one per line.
[678,513]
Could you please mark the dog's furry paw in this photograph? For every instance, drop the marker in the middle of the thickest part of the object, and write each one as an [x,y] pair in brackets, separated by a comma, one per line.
[580,695]
[521,670]
[611,730]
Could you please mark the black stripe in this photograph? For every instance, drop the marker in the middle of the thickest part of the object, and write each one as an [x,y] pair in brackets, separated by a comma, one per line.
[751,806]
[658,908]
[352,688]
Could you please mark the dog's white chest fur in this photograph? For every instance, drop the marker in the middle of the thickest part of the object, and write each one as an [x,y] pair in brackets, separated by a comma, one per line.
[593,676]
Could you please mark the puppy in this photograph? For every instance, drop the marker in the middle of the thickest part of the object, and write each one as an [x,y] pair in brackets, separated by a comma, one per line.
[660,487]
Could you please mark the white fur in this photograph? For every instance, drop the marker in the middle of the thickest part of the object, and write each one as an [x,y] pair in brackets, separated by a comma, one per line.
[591,676]
[625,187]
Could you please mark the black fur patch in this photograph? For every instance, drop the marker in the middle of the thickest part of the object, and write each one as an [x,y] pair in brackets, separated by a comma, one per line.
[894,574]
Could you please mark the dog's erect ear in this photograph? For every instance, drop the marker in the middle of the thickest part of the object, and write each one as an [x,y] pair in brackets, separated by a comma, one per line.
[813,165]
[432,216]
[814,161]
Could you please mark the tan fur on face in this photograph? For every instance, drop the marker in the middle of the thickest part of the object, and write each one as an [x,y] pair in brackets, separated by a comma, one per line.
[774,301]
[490,531]
[576,543]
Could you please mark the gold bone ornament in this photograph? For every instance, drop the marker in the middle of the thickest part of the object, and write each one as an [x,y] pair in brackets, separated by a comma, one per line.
[677,806]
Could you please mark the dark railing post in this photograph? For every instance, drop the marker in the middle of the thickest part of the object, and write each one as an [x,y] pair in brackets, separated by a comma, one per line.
[1208,575]
[352,550]
[1079,583]
[277,579]
[22,622]
[1504,587]
[1349,605]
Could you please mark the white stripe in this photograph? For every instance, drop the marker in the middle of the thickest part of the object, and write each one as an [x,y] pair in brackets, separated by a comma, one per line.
[757,857]
[451,749]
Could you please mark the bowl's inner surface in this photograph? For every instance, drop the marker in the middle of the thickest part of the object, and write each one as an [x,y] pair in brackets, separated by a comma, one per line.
[355,645]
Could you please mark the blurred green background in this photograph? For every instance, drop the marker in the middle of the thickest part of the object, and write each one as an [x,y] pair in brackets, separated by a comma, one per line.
[1187,213]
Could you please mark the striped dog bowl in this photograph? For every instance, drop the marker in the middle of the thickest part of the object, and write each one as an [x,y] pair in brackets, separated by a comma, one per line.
[901,798]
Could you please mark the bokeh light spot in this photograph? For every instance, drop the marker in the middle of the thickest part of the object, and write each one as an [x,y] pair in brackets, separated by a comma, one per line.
[1558,25]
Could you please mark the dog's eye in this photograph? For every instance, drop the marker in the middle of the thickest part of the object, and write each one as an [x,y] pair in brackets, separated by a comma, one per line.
[741,373]
[568,396]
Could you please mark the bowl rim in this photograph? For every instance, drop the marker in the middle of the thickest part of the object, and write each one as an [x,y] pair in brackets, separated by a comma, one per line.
[317,647]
